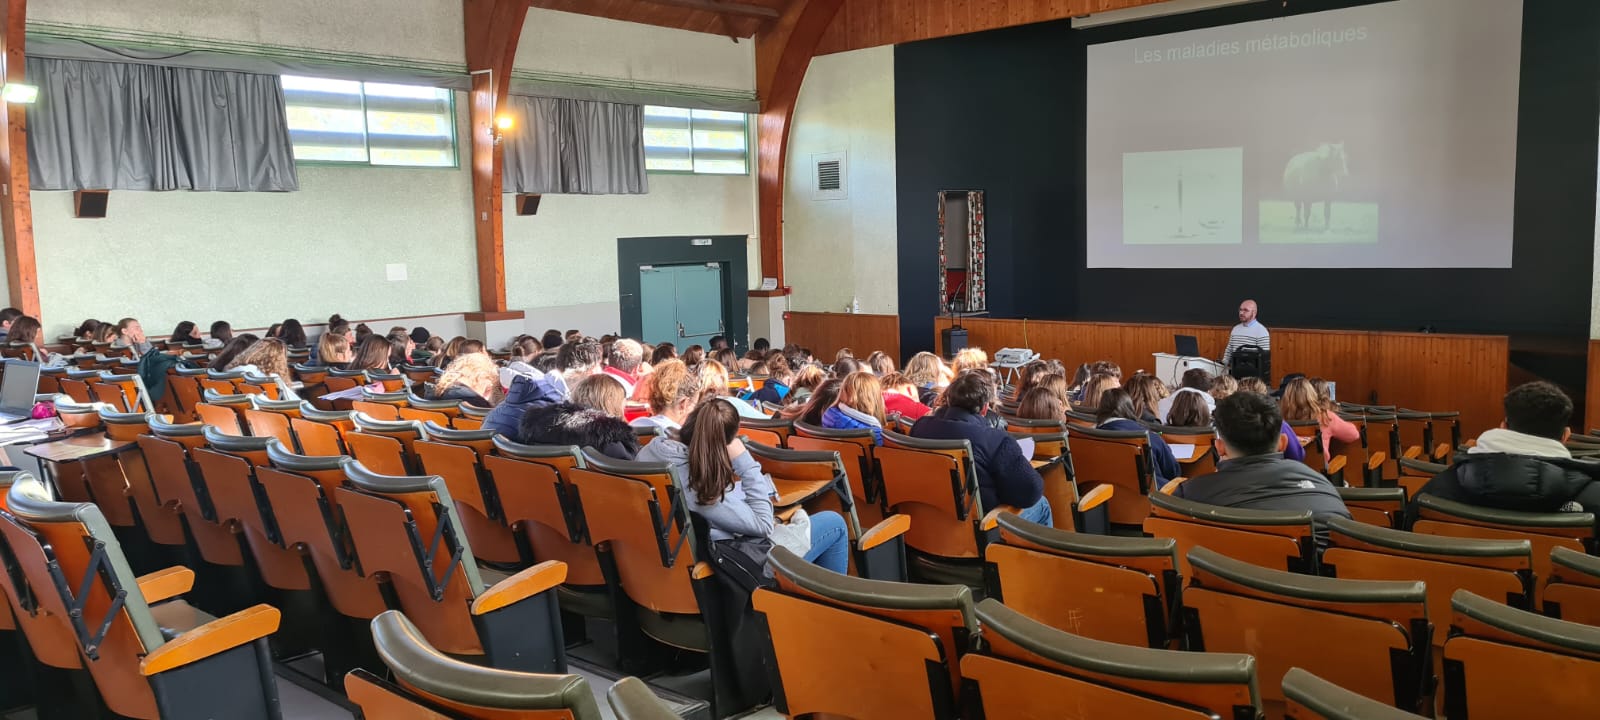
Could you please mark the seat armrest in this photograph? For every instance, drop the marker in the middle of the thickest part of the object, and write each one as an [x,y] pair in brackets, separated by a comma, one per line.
[892,527]
[1414,452]
[1100,495]
[521,586]
[992,519]
[1166,488]
[1377,460]
[1336,465]
[213,638]
[167,584]
[701,571]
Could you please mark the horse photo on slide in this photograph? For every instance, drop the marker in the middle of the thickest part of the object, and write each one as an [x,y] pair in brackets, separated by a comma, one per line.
[1318,176]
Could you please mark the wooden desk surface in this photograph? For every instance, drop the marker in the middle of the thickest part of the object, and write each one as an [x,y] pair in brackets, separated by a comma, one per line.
[78,448]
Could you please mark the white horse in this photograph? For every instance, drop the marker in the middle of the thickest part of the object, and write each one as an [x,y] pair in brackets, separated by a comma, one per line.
[1315,176]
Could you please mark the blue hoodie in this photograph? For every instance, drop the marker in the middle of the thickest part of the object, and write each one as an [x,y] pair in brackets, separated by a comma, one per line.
[527,391]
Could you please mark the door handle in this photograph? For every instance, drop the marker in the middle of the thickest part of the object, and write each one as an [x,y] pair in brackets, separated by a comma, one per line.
[681,331]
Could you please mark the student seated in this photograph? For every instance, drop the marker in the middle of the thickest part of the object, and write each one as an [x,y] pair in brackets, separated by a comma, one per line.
[372,353]
[900,397]
[1225,386]
[1301,404]
[860,406]
[1095,388]
[221,332]
[472,379]
[780,377]
[1148,393]
[1039,403]
[623,362]
[1524,464]
[27,331]
[130,334]
[1005,475]
[1252,473]
[724,484]
[1190,410]
[810,412]
[292,333]
[586,421]
[333,350]
[268,357]
[928,373]
[1117,412]
[1195,381]
[672,394]
[714,383]
[575,361]
[232,349]
[184,334]
[7,316]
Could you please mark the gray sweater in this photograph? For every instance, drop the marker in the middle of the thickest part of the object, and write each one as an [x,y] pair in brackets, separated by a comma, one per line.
[745,510]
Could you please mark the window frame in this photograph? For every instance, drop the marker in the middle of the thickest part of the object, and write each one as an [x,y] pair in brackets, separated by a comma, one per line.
[366,136]
[749,144]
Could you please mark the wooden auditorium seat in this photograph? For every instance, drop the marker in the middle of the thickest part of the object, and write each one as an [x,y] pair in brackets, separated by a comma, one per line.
[1116,589]
[1368,636]
[387,447]
[151,654]
[1120,459]
[168,452]
[429,684]
[1275,539]
[1546,531]
[1071,509]
[322,432]
[1504,663]
[226,470]
[772,432]
[818,481]
[855,449]
[1204,439]
[1309,697]
[935,483]
[1025,669]
[631,699]
[821,658]
[1571,590]
[457,456]
[1380,506]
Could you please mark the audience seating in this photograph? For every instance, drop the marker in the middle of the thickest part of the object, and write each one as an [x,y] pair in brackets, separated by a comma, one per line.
[1435,434]
[818,480]
[855,449]
[935,484]
[271,418]
[1546,531]
[407,527]
[1276,539]
[1204,440]
[168,454]
[1372,460]
[1572,587]
[1081,512]
[457,456]
[820,657]
[386,447]
[1116,589]
[1501,662]
[159,524]
[1499,569]
[1117,458]
[1381,506]
[630,699]
[772,433]
[167,660]
[46,638]
[227,474]
[471,417]
[322,432]
[430,684]
[441,412]
[1023,669]
[1414,474]
[1366,635]
[1312,698]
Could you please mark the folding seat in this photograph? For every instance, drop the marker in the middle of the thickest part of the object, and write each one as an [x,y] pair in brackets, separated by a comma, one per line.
[380,406]
[631,699]
[1572,588]
[1309,434]
[536,499]
[841,645]
[457,456]
[179,487]
[407,528]
[217,409]
[1416,473]
[1501,662]
[1277,539]
[471,417]
[773,432]
[383,446]
[1028,426]
[1203,460]
[126,393]
[419,374]
[430,684]
[391,382]
[1312,698]
[226,467]
[166,661]
[183,385]
[1546,531]
[935,483]
[1380,506]
[336,381]
[855,448]
[223,382]
[1071,510]
[1373,458]
[1116,589]
[322,432]
[443,412]
[49,379]
[309,375]
[268,418]
[818,481]
[299,489]
[85,467]
[1078,418]
[75,384]
[1025,669]
[253,384]
[1369,636]
[662,587]
[1117,458]
[1499,569]
[160,524]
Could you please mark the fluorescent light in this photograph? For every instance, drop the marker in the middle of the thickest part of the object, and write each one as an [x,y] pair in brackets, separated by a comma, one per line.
[19,93]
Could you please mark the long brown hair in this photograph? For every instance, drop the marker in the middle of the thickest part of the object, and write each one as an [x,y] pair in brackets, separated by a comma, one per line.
[1300,403]
[269,355]
[1096,387]
[707,433]
[1040,404]
[24,329]
[862,392]
[372,354]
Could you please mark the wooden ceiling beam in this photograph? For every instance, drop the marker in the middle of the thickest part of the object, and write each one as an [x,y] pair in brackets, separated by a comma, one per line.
[723,7]
[16,207]
[493,28]
[783,53]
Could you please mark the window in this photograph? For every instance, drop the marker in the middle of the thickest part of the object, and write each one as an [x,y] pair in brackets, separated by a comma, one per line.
[696,141]
[345,121]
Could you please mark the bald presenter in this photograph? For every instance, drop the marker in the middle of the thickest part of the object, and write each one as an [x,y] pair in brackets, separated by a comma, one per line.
[1249,331]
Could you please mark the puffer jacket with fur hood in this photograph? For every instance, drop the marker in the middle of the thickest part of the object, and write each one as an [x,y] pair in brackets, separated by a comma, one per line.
[570,424]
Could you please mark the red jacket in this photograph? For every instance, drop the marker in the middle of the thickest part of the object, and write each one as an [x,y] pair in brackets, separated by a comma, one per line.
[908,408]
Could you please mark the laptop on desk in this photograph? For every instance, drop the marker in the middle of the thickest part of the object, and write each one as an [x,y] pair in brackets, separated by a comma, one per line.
[1188,346]
[17,389]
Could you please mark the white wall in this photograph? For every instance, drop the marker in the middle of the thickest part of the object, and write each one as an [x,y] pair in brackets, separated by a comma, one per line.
[256,258]
[835,250]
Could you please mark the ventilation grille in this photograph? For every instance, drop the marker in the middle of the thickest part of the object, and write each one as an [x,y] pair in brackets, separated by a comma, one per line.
[828,175]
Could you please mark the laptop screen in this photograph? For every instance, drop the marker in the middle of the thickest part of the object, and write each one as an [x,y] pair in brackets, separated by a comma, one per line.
[1188,346]
[20,384]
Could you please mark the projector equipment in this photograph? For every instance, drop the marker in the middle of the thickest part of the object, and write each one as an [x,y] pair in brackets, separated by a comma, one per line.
[1013,358]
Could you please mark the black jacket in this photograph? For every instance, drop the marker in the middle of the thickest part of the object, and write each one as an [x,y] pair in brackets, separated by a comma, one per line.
[459,392]
[569,424]
[1266,482]
[1004,474]
[1517,482]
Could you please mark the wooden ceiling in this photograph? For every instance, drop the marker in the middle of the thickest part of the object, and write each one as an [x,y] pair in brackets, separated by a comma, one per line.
[733,18]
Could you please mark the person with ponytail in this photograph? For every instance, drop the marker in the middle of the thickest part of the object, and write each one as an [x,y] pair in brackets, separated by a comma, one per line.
[725,485]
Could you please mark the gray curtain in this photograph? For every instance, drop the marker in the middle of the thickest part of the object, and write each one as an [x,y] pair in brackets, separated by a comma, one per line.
[575,147]
[128,126]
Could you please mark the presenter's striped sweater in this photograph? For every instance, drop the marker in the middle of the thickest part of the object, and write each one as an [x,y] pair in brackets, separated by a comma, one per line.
[1252,334]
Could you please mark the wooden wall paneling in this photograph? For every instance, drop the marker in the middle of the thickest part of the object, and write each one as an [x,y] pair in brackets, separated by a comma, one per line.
[16,206]
[1591,413]
[826,333]
[870,23]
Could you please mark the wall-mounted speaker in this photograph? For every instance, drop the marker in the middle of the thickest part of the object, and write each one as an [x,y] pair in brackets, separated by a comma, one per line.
[90,203]
[528,204]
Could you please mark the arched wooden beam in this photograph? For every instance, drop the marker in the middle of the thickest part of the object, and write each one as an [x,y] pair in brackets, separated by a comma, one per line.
[493,28]
[783,52]
[16,209]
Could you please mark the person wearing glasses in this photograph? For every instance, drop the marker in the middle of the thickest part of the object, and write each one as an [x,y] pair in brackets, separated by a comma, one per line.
[1249,331]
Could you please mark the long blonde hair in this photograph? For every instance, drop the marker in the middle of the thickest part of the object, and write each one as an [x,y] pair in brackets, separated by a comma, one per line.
[862,392]
[472,371]
[1098,384]
[970,359]
[334,348]
[269,355]
[1300,403]
[925,369]
[601,392]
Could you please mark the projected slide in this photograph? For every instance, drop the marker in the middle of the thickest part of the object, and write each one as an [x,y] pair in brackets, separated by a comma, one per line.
[1376,136]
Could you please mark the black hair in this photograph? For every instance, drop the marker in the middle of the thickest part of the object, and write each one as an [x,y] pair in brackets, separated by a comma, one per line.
[761,344]
[973,392]
[1117,403]
[1248,422]
[1198,379]
[1538,408]
[583,352]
